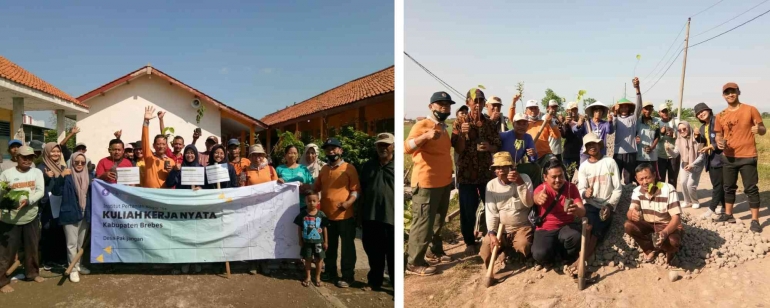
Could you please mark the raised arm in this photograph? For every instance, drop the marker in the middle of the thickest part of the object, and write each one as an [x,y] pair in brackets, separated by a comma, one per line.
[148,115]
[638,109]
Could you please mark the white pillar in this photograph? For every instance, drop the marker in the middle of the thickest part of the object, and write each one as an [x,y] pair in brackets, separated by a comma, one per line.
[18,115]
[60,121]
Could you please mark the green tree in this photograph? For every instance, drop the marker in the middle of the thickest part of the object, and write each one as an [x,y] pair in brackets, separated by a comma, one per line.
[588,101]
[766,114]
[550,95]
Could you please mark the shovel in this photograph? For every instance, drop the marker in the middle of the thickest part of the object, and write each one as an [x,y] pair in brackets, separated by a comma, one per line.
[582,260]
[487,279]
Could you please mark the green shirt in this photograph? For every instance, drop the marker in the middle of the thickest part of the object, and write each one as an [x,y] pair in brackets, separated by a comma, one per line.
[377,199]
[31,181]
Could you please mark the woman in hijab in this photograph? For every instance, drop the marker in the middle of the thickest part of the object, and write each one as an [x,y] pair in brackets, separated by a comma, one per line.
[310,160]
[52,241]
[691,166]
[75,211]
[217,156]
[190,159]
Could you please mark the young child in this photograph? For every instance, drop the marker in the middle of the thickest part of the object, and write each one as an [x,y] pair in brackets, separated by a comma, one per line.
[313,240]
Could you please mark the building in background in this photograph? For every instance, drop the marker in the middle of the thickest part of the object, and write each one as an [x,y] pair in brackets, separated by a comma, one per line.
[366,103]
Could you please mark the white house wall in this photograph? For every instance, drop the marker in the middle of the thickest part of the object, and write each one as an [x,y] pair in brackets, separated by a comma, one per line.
[123,108]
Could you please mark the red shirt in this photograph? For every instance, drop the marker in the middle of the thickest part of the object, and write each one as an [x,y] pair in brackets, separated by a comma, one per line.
[105,164]
[557,218]
[176,158]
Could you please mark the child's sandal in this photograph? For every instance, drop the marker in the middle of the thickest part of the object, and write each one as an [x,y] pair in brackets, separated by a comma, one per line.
[306,283]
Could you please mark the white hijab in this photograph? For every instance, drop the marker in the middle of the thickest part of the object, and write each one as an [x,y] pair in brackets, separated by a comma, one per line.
[314,167]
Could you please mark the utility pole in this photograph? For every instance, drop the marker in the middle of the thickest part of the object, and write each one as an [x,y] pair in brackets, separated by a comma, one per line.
[684,67]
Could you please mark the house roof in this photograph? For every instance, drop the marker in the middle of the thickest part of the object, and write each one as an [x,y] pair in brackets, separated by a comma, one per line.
[17,74]
[377,83]
[149,70]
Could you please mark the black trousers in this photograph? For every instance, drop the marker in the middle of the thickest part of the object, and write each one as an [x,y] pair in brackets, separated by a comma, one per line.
[377,238]
[747,167]
[470,195]
[564,241]
[717,188]
[669,167]
[11,238]
[341,231]
[627,164]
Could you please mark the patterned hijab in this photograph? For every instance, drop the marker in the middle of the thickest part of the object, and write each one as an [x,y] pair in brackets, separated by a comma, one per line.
[315,166]
[56,166]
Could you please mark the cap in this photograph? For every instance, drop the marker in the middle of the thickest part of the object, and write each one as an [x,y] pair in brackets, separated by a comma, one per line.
[519,117]
[572,105]
[663,107]
[441,97]
[730,85]
[26,151]
[15,141]
[479,94]
[502,159]
[332,142]
[494,100]
[256,149]
[645,104]
[232,142]
[385,138]
[80,144]
[552,103]
[129,146]
[701,107]
[531,103]
[213,139]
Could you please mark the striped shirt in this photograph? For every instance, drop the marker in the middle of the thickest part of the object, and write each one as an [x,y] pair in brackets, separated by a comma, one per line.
[660,207]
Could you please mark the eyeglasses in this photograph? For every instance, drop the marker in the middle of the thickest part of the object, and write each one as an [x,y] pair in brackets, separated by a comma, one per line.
[682,129]
[79,163]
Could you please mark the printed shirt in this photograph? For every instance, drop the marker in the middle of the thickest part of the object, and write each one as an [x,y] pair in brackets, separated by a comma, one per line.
[508,204]
[557,218]
[105,164]
[432,160]
[312,226]
[31,181]
[336,183]
[604,178]
[660,207]
[508,141]
[736,128]
[473,166]
[377,191]
[648,133]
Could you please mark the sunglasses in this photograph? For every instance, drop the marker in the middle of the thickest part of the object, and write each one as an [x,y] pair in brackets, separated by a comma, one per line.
[78,163]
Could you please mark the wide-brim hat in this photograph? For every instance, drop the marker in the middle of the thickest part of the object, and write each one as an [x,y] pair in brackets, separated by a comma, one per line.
[624,101]
[701,107]
[597,104]
[502,159]
[256,149]
[589,138]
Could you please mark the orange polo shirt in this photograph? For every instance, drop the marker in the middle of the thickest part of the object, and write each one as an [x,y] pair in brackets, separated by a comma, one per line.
[155,173]
[432,161]
[254,176]
[541,144]
[335,184]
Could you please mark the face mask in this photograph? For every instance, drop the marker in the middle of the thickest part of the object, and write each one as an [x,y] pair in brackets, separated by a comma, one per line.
[332,158]
[441,116]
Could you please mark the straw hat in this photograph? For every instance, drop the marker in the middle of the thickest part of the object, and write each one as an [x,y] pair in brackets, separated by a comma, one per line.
[502,159]
[589,138]
[597,104]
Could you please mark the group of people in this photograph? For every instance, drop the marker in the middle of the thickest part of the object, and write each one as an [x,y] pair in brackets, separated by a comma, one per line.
[520,168]
[57,198]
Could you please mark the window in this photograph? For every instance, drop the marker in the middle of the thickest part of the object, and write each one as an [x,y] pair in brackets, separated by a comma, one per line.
[385,126]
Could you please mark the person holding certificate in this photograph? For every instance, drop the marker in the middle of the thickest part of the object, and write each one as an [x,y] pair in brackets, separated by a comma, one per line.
[216,157]
[189,159]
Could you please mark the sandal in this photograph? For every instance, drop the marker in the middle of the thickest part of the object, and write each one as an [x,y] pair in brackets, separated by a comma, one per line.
[306,283]
[318,284]
[651,259]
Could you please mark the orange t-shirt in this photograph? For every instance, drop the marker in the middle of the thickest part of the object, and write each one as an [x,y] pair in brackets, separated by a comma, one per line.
[335,184]
[432,161]
[736,127]
[243,164]
[155,173]
[254,176]
[541,144]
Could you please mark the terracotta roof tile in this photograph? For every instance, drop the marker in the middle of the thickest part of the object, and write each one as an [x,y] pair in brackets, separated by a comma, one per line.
[17,74]
[374,84]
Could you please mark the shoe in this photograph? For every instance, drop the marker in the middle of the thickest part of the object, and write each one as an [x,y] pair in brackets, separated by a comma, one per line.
[342,284]
[437,258]
[725,218]
[470,251]
[707,214]
[185,268]
[420,270]
[696,205]
[684,204]
[47,267]
[83,270]
[74,277]
[197,268]
[755,227]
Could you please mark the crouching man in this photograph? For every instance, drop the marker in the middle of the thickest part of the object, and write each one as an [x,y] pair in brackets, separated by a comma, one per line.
[654,211]
[508,202]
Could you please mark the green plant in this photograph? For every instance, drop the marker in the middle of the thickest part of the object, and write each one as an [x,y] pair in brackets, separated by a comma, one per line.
[10,197]
[285,138]
[357,146]
[201,111]
[168,132]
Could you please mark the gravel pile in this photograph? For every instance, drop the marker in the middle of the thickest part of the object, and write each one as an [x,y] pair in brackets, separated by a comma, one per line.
[705,243]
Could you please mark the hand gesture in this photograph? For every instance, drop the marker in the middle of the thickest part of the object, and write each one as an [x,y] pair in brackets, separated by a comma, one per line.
[196,134]
[465,128]
[663,129]
[634,213]
[433,134]
[148,113]
[112,176]
[118,134]
[341,206]
[177,167]
[493,241]
[635,82]
[66,172]
[516,98]
[75,130]
[48,172]
[589,192]
[581,119]
[530,152]
[609,117]
[513,176]
[605,212]
[161,114]
[541,197]
[706,149]
[495,116]
[638,139]
[568,119]
[755,129]
[560,118]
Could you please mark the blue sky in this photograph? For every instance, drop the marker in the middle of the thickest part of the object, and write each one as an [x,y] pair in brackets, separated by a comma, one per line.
[256,56]
[591,45]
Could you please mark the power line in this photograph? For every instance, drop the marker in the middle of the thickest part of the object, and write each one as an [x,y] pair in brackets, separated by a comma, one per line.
[731,19]
[666,71]
[713,5]
[654,75]
[442,82]
[736,27]
[669,49]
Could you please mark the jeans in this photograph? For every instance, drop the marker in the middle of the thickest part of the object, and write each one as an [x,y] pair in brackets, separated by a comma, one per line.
[470,195]
[690,180]
[747,167]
